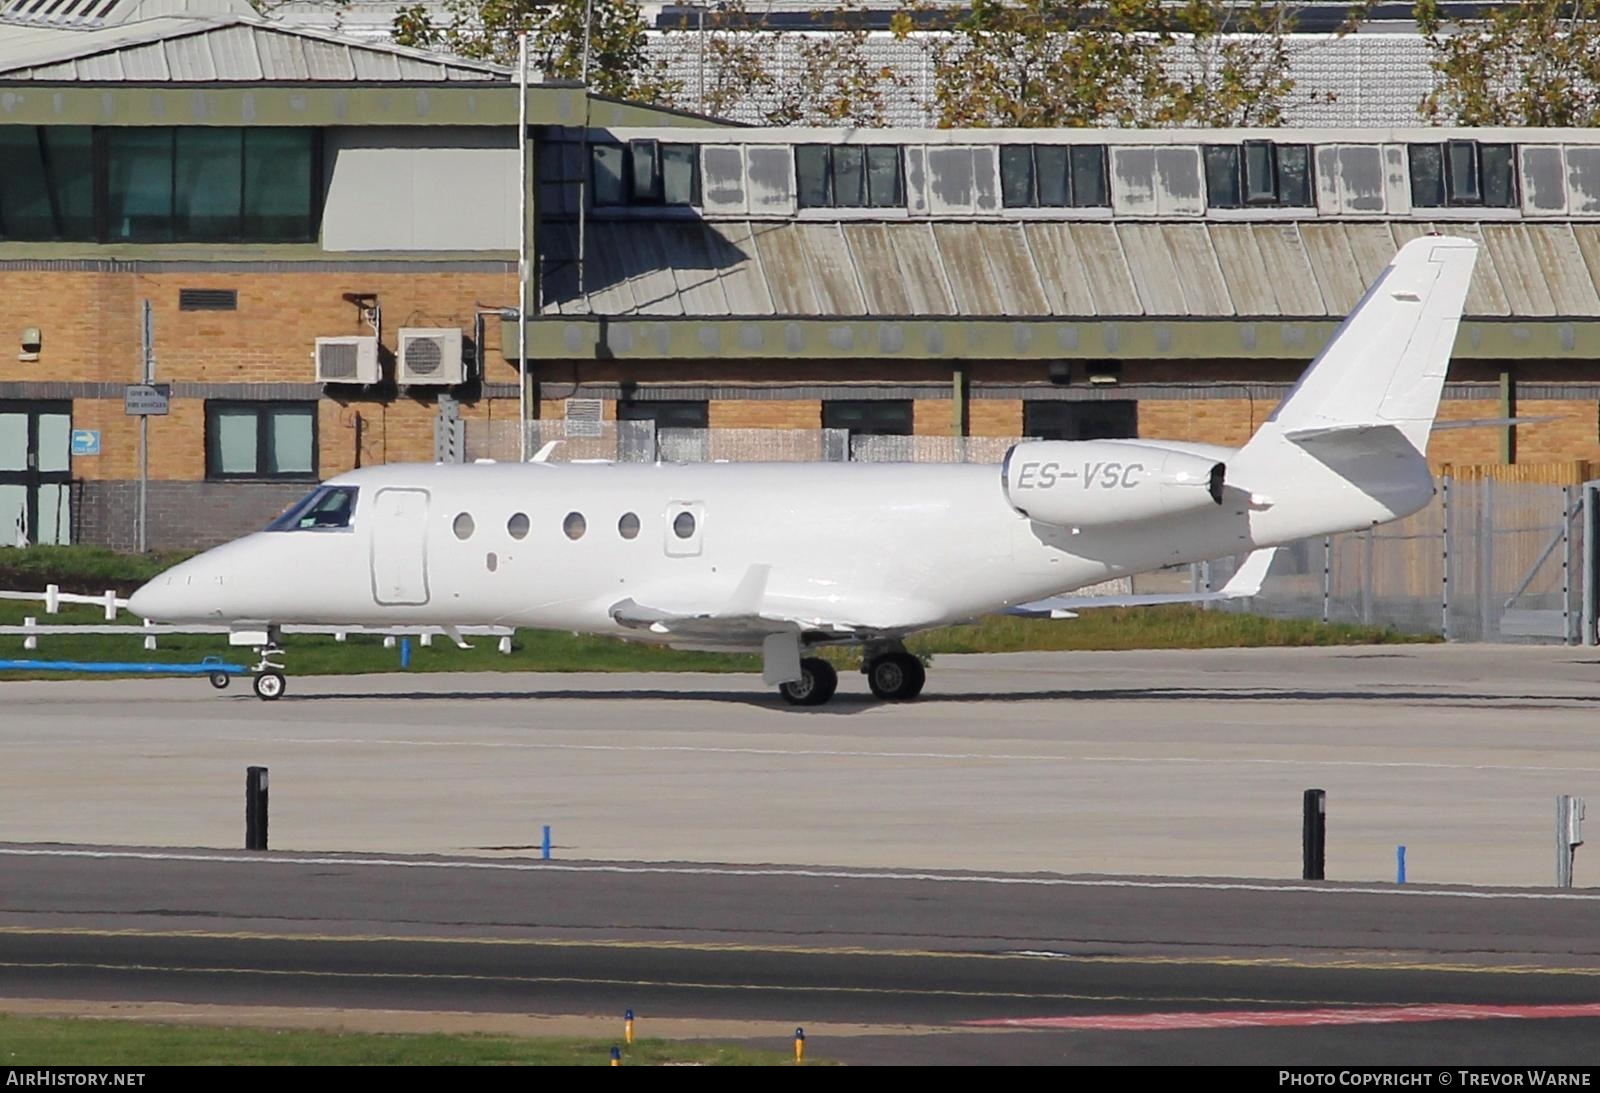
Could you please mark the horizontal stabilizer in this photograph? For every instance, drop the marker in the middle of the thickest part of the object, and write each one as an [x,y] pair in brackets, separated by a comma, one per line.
[1246,581]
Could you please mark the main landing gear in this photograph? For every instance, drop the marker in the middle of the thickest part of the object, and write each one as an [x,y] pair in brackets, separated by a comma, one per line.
[816,684]
[893,674]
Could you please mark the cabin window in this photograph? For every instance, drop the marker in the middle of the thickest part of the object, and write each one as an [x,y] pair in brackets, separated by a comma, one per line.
[683,525]
[463,525]
[261,440]
[574,526]
[517,526]
[628,526]
[326,509]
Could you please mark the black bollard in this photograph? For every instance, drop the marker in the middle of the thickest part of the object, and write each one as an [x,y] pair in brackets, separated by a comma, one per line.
[255,808]
[1314,834]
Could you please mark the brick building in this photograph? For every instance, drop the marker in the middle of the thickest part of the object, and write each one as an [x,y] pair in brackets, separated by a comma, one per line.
[263,186]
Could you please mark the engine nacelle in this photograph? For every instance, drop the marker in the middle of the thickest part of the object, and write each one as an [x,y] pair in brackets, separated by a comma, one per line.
[1096,483]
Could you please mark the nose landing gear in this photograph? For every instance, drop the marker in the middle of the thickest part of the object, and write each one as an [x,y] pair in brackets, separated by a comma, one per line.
[269,682]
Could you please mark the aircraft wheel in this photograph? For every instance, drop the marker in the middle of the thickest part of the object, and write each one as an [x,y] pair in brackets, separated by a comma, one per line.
[219,680]
[815,686]
[896,677]
[269,686]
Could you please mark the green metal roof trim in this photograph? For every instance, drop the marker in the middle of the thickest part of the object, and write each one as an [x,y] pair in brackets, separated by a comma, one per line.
[454,103]
[598,338]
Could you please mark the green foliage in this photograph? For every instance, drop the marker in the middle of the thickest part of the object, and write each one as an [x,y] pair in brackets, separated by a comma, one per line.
[1073,63]
[1173,627]
[1533,63]
[38,1041]
[84,569]
[488,30]
[795,78]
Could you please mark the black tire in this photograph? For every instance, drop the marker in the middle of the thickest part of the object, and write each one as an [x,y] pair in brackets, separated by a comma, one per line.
[270,686]
[815,686]
[896,677]
[219,680]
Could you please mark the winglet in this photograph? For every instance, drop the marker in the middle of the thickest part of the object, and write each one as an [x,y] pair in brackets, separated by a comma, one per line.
[544,453]
[1246,580]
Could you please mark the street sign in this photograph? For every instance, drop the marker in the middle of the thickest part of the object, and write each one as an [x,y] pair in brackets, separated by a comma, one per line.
[86,442]
[146,399]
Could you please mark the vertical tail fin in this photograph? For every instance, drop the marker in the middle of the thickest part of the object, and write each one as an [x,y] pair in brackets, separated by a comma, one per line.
[1385,365]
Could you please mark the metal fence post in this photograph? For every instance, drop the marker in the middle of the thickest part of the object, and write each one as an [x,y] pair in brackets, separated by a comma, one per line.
[1367,545]
[1327,575]
[1568,499]
[1589,591]
[1486,617]
[1444,567]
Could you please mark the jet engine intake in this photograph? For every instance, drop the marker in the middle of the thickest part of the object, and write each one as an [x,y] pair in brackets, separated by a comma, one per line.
[1097,483]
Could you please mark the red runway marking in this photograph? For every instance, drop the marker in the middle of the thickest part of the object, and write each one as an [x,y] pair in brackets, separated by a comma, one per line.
[1354,1015]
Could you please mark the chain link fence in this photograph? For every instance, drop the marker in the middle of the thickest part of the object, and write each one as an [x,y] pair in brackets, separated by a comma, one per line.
[643,442]
[1487,561]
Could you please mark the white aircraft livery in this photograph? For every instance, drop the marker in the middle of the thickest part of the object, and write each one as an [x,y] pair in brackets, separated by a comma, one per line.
[788,557]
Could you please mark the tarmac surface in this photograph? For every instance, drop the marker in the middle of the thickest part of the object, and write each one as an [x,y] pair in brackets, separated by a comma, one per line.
[1012,849]
[878,966]
[1159,763]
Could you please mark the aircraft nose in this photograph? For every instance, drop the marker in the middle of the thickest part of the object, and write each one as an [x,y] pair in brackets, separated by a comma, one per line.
[185,593]
[155,599]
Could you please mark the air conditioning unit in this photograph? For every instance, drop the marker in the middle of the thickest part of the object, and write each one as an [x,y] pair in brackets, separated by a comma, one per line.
[430,356]
[348,360]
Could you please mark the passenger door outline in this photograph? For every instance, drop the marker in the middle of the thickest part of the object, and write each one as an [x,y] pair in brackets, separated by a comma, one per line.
[399,546]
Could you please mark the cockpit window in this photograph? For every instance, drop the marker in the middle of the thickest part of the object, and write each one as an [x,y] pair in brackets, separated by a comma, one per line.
[326,509]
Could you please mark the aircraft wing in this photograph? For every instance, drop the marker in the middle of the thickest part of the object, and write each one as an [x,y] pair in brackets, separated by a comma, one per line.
[744,618]
[1246,581]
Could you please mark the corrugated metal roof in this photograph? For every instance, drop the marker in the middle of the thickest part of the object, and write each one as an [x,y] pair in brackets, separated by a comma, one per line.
[192,48]
[1062,269]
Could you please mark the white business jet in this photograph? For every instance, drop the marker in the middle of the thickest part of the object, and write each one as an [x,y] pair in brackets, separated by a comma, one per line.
[787,557]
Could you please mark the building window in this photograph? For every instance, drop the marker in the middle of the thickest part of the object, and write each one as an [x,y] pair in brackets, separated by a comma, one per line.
[194,184]
[868,417]
[1258,174]
[679,435]
[47,187]
[1463,172]
[261,440]
[667,413]
[644,172]
[1098,419]
[849,176]
[1053,176]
